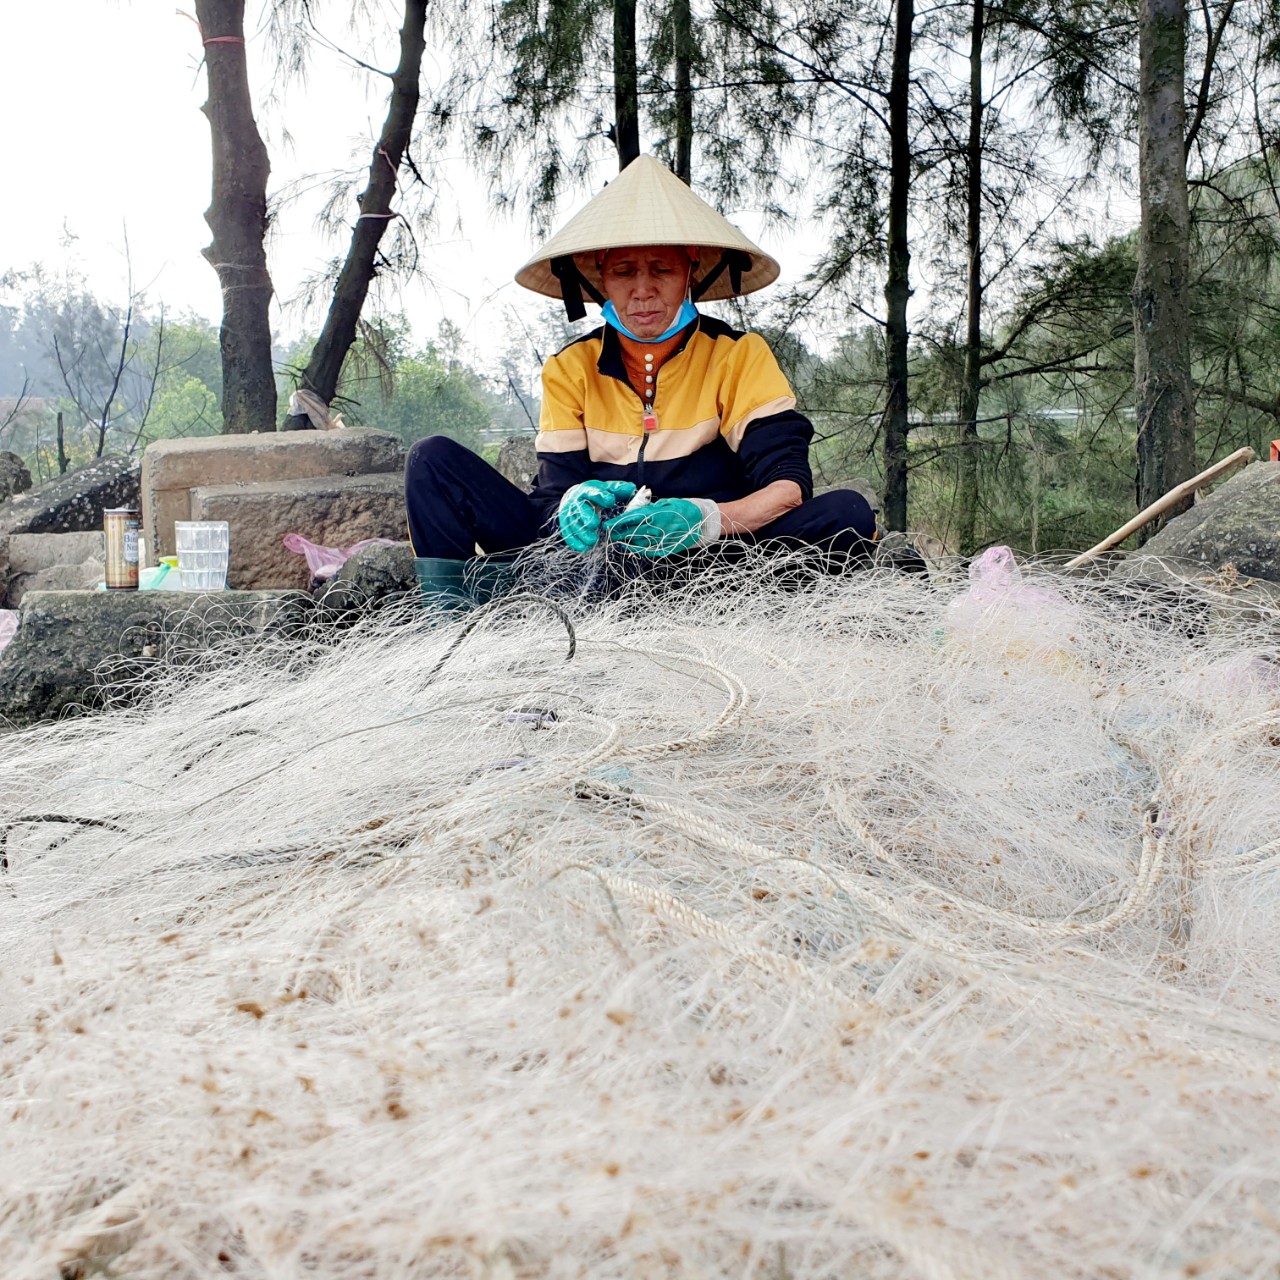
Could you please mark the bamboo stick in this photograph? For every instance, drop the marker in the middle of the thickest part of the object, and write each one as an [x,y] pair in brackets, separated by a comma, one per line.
[1160,505]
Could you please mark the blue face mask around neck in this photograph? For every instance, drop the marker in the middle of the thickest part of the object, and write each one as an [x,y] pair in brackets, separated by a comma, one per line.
[687,314]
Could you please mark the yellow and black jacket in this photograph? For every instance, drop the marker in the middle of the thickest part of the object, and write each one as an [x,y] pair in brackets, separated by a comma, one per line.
[726,419]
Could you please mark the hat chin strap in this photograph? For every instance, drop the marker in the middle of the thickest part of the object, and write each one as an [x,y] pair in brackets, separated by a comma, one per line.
[572,286]
[736,261]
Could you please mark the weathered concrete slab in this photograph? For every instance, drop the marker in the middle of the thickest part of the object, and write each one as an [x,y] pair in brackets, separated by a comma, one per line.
[31,552]
[172,468]
[52,562]
[334,511]
[80,651]
[57,577]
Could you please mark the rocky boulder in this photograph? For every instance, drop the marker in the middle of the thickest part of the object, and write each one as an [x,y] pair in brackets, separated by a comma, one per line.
[82,650]
[373,576]
[1238,525]
[74,503]
[518,461]
[14,476]
[858,485]
[897,552]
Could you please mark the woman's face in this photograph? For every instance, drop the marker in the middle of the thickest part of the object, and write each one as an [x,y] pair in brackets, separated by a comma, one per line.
[646,285]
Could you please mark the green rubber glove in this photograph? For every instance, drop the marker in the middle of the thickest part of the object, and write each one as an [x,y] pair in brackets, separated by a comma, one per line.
[666,526]
[583,507]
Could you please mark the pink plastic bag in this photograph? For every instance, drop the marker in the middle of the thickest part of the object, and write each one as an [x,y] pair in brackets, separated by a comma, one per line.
[999,606]
[8,626]
[324,562]
[995,577]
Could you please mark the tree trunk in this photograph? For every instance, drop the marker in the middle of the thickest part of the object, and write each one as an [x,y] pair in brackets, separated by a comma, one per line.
[897,289]
[1162,350]
[237,216]
[682,22]
[626,88]
[971,390]
[330,352]
[63,461]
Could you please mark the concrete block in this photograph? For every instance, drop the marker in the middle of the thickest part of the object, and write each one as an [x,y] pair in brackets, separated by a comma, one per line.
[31,552]
[334,511]
[172,468]
[57,577]
[48,562]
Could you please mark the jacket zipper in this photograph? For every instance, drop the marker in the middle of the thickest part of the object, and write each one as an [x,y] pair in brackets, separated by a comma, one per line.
[648,425]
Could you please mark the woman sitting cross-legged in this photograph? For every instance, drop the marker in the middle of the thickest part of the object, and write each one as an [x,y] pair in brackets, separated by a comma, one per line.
[664,431]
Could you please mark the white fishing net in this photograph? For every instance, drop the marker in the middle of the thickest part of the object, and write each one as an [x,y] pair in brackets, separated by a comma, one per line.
[858,928]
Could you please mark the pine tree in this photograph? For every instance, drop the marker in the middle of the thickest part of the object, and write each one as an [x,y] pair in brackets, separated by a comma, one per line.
[324,368]
[1162,354]
[237,216]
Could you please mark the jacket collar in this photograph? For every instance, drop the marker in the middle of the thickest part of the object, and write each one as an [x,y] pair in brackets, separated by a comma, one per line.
[611,363]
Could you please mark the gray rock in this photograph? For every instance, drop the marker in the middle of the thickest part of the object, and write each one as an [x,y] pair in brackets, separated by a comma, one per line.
[896,551]
[373,576]
[868,491]
[1237,525]
[74,503]
[83,650]
[518,461]
[14,476]
[1190,597]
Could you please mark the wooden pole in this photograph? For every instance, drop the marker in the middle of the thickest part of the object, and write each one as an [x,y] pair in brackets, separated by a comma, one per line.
[1170,499]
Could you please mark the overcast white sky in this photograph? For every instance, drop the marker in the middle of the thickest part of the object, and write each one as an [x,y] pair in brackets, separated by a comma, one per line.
[100,128]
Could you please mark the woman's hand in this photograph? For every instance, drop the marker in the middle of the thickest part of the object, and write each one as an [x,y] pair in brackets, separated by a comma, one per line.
[666,526]
[583,508]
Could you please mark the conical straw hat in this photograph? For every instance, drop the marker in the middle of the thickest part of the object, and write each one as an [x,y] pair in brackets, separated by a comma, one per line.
[645,204]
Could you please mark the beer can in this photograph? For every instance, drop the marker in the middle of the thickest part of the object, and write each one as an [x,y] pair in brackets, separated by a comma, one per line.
[120,531]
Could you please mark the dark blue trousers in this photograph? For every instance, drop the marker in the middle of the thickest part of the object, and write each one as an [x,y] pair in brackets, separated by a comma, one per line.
[456,500]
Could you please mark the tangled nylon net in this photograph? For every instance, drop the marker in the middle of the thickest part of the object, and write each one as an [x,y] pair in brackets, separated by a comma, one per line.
[848,927]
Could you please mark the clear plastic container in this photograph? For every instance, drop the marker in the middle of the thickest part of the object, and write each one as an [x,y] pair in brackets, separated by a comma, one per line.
[204,551]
